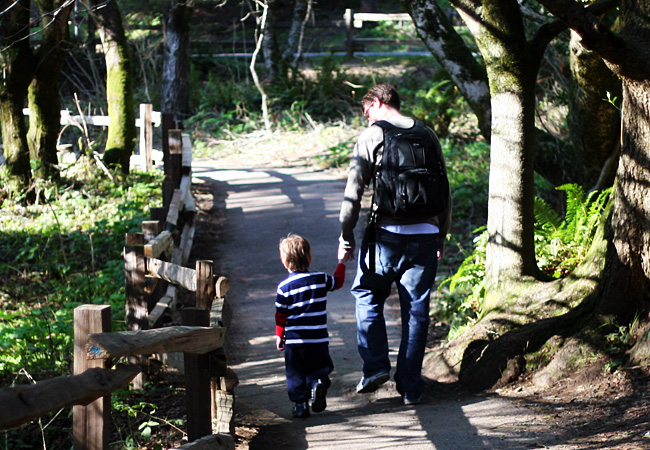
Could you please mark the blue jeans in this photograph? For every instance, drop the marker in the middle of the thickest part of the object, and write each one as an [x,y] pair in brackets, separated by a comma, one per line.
[409,261]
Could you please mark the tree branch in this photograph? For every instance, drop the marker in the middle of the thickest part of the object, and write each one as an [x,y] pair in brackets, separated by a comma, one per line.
[624,56]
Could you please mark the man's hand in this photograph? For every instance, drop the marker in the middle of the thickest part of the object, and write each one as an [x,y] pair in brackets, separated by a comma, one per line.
[279,343]
[346,254]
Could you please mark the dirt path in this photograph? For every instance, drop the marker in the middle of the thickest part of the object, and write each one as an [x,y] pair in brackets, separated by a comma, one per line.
[262,205]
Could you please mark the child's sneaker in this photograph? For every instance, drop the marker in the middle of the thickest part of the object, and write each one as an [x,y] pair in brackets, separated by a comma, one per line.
[300,410]
[318,393]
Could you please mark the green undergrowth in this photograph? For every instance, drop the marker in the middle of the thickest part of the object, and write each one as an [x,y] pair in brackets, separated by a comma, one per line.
[562,240]
[61,253]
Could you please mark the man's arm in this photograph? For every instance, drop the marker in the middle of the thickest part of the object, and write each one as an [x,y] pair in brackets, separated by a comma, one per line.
[359,176]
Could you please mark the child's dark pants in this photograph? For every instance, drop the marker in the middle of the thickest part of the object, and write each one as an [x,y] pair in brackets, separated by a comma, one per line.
[305,365]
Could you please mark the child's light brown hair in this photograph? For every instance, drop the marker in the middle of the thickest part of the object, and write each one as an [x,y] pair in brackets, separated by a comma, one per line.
[295,253]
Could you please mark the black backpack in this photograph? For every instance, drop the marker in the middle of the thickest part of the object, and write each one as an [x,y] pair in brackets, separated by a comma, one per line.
[410,181]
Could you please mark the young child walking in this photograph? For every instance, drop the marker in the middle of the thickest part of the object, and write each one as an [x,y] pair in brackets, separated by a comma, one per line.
[301,325]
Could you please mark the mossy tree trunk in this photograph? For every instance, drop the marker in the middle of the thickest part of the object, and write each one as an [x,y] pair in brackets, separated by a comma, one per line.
[17,69]
[43,93]
[515,291]
[614,280]
[452,53]
[176,63]
[593,121]
[511,64]
[119,84]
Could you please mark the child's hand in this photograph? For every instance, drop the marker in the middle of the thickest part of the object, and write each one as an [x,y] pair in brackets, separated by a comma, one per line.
[279,343]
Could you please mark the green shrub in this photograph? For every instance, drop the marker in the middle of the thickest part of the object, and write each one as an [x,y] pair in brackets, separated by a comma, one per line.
[59,255]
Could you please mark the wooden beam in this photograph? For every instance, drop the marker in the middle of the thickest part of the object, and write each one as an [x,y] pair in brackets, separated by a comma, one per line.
[23,403]
[159,244]
[173,273]
[160,340]
[165,302]
[174,207]
[184,186]
[187,150]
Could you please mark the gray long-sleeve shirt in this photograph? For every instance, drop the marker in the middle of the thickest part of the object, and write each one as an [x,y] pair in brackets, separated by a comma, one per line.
[360,175]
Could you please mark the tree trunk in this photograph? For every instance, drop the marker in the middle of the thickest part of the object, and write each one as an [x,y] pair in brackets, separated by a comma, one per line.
[451,52]
[511,68]
[594,122]
[627,285]
[275,66]
[119,85]
[18,69]
[175,89]
[293,40]
[44,101]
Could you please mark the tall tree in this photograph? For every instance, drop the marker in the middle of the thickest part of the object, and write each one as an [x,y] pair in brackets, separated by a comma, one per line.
[512,54]
[16,59]
[626,286]
[175,89]
[122,132]
[43,93]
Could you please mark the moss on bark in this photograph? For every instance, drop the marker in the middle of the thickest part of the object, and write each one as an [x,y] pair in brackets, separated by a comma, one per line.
[122,132]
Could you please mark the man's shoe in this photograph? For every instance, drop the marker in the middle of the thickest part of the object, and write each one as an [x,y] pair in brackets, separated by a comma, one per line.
[371,384]
[412,401]
[318,393]
[300,410]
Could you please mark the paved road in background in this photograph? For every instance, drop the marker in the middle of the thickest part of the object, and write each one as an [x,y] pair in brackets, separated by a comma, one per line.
[263,204]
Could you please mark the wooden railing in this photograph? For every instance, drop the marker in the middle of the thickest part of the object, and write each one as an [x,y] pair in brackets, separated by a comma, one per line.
[350,22]
[146,122]
[154,265]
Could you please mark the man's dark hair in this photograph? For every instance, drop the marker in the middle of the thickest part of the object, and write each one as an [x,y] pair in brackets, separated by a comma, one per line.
[385,93]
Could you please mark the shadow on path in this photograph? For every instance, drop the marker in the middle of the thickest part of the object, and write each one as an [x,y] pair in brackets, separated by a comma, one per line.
[263,205]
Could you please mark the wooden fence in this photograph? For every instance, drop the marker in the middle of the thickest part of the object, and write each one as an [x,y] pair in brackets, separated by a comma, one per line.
[350,21]
[154,265]
[146,122]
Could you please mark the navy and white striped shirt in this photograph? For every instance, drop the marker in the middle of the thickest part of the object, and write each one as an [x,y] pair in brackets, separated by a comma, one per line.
[302,297]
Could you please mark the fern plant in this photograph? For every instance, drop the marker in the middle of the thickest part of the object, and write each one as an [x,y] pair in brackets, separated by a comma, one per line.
[561,243]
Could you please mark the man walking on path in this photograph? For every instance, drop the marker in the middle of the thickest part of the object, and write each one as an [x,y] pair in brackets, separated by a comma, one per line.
[399,248]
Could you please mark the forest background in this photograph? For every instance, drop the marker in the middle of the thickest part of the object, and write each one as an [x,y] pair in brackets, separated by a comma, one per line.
[533,126]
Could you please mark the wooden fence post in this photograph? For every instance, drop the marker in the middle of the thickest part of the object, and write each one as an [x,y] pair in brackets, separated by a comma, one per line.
[205,288]
[167,123]
[146,133]
[175,157]
[137,310]
[197,381]
[155,288]
[90,422]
